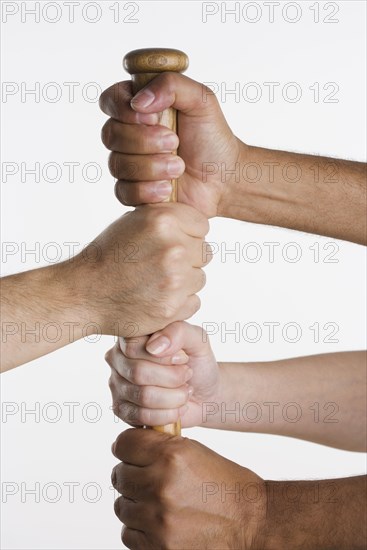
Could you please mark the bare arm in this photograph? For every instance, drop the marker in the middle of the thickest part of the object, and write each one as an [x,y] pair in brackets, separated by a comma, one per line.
[41,311]
[314,194]
[316,515]
[319,398]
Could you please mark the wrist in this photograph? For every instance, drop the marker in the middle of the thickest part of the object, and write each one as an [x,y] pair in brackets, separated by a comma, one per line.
[230,185]
[100,305]
[212,413]
[300,515]
[74,280]
[263,189]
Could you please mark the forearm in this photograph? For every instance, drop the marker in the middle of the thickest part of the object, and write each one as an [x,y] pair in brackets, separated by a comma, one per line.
[315,515]
[319,398]
[41,311]
[314,194]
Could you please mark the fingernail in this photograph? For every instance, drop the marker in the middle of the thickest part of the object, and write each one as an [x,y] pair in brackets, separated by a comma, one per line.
[179,358]
[158,345]
[169,142]
[163,190]
[188,375]
[144,98]
[175,167]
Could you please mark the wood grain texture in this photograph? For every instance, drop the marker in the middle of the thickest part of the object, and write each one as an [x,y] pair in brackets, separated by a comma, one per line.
[144,65]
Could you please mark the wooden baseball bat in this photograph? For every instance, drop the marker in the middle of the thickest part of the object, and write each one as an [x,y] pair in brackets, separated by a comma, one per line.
[144,65]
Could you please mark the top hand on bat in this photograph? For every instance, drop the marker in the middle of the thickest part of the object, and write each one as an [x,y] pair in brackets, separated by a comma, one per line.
[137,140]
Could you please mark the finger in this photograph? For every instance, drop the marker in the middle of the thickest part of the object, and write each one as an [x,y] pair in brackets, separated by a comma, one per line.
[142,192]
[139,416]
[198,280]
[152,397]
[177,91]
[115,102]
[127,480]
[167,372]
[134,348]
[201,258]
[128,349]
[144,372]
[140,447]
[134,539]
[178,336]
[162,166]
[191,306]
[138,138]
[130,513]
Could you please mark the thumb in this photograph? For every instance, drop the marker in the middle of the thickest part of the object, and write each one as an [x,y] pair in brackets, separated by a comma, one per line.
[178,91]
[177,338]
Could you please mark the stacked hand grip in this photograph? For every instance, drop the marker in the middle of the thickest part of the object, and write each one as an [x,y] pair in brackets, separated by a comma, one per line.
[144,65]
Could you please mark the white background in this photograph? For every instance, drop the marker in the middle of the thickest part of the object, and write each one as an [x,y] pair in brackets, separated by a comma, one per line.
[302,292]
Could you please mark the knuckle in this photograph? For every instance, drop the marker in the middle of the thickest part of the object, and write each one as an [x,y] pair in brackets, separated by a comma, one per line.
[176,253]
[106,133]
[108,357]
[171,282]
[136,375]
[121,167]
[166,499]
[168,81]
[125,536]
[202,279]
[201,333]
[114,477]
[135,393]
[128,192]
[209,97]
[206,225]
[145,395]
[104,99]
[117,506]
[131,349]
[207,252]
[172,458]
[163,221]
[167,309]
[195,306]
[127,412]
[207,92]
[144,416]
[119,410]
[113,164]
[146,138]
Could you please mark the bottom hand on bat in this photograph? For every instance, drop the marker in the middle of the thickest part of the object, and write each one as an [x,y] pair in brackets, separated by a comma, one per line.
[178,494]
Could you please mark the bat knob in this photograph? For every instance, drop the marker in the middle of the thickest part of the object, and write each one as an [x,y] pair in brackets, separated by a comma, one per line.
[155,60]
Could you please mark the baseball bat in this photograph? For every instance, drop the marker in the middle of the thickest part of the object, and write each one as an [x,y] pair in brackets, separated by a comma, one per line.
[144,65]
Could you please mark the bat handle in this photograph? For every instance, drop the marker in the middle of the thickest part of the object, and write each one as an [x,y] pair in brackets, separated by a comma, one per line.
[144,65]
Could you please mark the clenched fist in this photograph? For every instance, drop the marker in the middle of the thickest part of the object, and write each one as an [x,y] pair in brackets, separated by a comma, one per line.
[155,380]
[178,494]
[141,158]
[146,271]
